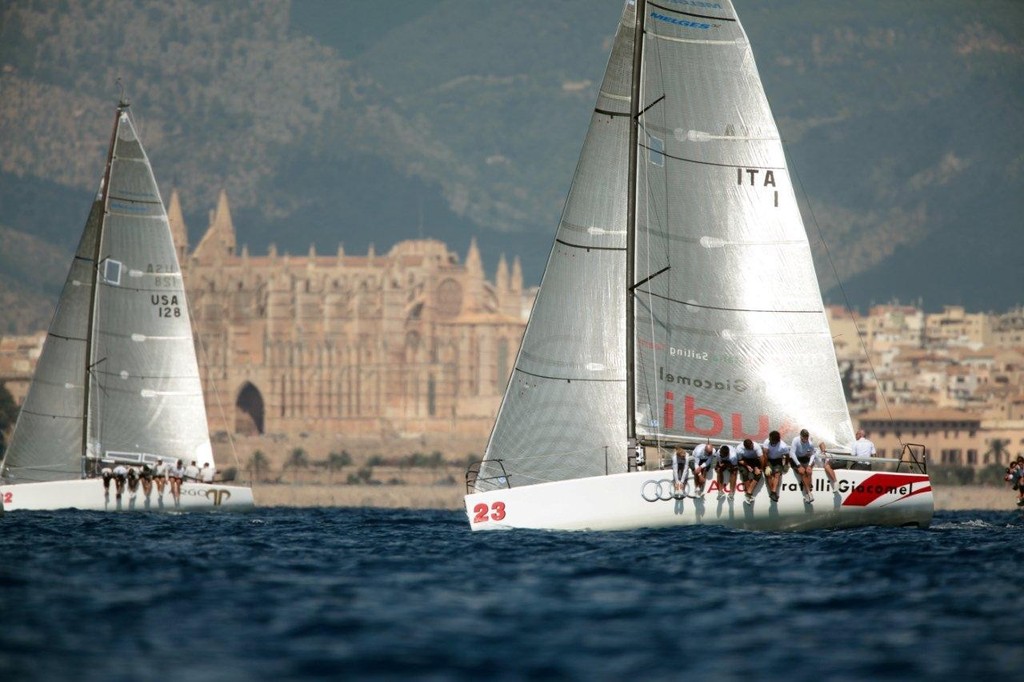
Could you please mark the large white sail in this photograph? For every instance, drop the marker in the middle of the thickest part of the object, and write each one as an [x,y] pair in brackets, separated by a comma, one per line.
[731,335]
[563,415]
[144,393]
[47,441]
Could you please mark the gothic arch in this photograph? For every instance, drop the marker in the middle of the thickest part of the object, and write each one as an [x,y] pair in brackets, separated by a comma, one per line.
[249,410]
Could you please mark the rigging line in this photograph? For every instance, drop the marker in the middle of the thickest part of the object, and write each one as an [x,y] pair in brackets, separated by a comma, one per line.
[216,392]
[566,379]
[712,163]
[846,301]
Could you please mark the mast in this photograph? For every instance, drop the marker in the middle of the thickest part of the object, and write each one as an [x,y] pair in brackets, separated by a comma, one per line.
[122,106]
[634,137]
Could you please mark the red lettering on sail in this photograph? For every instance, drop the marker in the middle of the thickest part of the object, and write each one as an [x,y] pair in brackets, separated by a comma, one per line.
[706,422]
[692,412]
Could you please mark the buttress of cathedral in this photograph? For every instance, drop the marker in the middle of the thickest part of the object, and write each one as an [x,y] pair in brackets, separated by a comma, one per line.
[399,345]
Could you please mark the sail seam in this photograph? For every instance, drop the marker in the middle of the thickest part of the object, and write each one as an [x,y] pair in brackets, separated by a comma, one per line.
[74,417]
[730,310]
[134,200]
[710,163]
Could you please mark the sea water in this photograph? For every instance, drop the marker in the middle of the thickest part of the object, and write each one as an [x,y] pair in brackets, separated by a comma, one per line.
[297,594]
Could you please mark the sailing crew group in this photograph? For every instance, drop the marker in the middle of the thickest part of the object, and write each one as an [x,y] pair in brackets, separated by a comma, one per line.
[161,473]
[751,462]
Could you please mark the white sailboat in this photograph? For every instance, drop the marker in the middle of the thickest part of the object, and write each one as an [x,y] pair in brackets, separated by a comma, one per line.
[679,306]
[117,383]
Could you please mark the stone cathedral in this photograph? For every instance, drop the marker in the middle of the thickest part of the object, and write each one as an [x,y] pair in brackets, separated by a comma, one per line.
[411,343]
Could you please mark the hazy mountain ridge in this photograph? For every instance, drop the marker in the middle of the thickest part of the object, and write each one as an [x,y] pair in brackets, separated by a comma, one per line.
[335,123]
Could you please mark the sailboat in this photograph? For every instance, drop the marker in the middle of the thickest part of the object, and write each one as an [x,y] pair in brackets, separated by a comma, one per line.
[679,306]
[117,387]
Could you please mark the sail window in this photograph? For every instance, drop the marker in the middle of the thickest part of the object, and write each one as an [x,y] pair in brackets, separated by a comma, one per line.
[112,271]
[656,150]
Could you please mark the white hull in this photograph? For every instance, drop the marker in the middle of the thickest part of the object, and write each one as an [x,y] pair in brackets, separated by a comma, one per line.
[643,499]
[88,494]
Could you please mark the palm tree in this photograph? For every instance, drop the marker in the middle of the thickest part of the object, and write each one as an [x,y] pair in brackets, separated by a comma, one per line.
[297,460]
[258,464]
[335,461]
[997,448]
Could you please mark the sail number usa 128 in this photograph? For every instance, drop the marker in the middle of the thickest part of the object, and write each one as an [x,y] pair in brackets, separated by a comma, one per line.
[167,305]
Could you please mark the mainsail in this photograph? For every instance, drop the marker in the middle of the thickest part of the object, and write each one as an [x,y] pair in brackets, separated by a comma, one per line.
[122,325]
[729,337]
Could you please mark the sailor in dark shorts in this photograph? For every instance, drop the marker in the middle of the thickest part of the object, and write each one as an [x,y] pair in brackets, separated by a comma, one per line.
[776,453]
[700,464]
[801,455]
[751,466]
[120,476]
[133,481]
[146,476]
[726,463]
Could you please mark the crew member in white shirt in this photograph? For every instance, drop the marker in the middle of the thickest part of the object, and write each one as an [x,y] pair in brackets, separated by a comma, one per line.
[864,450]
[801,455]
[776,453]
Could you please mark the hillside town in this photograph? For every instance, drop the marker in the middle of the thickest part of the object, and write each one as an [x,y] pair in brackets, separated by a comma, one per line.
[415,346]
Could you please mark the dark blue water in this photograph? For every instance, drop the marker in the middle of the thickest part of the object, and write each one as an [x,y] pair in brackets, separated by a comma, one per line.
[294,594]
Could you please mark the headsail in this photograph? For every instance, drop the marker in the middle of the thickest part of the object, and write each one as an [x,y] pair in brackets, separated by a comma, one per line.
[146,378]
[563,415]
[47,441]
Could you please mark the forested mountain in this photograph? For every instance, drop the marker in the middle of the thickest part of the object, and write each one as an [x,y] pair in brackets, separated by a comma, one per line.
[360,122]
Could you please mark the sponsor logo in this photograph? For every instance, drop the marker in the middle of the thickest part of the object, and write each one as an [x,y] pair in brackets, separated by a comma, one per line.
[686,23]
[218,495]
[883,485]
[712,383]
[706,422]
[652,490]
[687,353]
